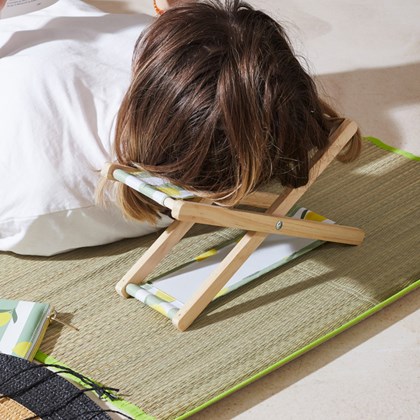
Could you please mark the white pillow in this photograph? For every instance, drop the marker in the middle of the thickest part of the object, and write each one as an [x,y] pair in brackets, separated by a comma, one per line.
[63,73]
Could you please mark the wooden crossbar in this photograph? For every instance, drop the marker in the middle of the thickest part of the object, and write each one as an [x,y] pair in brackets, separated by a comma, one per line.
[225,217]
[258,226]
[252,240]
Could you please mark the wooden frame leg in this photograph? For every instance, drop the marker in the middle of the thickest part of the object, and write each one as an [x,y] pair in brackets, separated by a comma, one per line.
[250,242]
[232,262]
[246,246]
[157,251]
[151,258]
[227,268]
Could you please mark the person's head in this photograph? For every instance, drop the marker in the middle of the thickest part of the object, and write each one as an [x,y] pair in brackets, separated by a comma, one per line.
[218,104]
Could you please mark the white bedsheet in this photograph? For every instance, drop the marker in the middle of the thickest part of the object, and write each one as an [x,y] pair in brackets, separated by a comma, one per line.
[63,72]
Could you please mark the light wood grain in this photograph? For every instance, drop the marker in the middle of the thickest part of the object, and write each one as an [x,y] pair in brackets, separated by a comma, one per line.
[257,224]
[251,240]
[259,199]
[151,258]
[221,216]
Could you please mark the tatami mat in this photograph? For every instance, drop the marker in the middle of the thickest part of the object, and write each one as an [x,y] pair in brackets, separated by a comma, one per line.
[127,345]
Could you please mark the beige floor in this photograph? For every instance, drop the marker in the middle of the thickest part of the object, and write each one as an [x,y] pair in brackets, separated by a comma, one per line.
[366,54]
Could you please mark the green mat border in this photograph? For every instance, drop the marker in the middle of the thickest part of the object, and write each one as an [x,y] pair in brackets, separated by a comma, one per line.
[392,149]
[305,349]
[138,414]
[378,143]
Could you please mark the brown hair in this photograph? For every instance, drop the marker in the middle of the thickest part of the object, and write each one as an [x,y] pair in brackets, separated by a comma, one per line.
[219,104]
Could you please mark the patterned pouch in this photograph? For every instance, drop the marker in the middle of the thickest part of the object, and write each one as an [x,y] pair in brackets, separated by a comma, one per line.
[22,326]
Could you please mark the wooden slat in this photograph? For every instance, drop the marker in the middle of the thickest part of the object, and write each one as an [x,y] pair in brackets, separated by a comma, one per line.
[155,253]
[259,199]
[221,216]
[151,258]
[250,241]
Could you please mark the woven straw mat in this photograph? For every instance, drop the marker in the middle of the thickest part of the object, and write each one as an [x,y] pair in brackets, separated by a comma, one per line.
[124,344]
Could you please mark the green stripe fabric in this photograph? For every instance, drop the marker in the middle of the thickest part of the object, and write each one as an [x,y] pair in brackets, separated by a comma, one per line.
[392,149]
[140,186]
[155,188]
[34,325]
[21,325]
